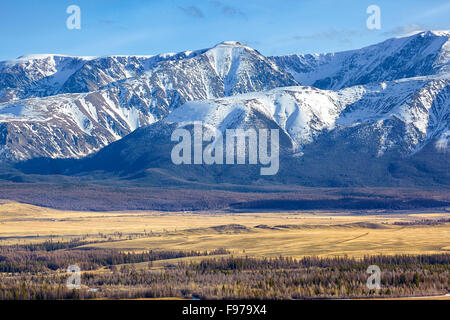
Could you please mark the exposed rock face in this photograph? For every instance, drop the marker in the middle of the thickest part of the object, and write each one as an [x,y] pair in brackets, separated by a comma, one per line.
[378,114]
[422,54]
[58,106]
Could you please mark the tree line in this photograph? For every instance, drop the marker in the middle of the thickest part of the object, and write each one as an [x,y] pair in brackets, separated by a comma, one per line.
[40,274]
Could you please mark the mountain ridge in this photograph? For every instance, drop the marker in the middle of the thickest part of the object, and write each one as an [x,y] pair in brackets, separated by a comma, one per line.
[385,107]
[369,64]
[84,121]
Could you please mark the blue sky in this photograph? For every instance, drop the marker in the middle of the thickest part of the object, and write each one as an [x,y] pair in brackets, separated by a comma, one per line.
[156,26]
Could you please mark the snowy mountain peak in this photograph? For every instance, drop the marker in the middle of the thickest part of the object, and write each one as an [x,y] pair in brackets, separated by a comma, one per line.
[61,106]
[440,33]
[229,43]
[424,33]
[232,46]
[42,56]
[424,53]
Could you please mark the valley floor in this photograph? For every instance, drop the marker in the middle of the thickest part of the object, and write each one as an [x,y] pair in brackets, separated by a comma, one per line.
[222,254]
[258,234]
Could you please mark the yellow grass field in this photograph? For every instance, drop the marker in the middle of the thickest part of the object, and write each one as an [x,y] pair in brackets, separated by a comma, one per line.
[259,234]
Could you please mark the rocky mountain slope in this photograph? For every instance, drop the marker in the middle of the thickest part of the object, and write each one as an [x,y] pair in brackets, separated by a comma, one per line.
[75,106]
[420,54]
[401,115]
[375,134]
[378,115]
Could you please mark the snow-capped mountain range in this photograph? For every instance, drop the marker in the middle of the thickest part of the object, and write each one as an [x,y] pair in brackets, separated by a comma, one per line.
[420,105]
[420,54]
[388,98]
[58,106]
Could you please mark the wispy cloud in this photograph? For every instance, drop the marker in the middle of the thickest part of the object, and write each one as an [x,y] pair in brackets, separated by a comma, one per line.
[228,10]
[407,28]
[106,21]
[342,36]
[251,43]
[192,11]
